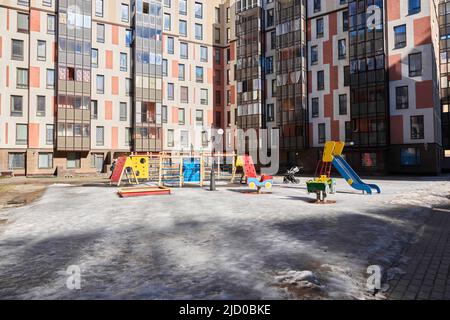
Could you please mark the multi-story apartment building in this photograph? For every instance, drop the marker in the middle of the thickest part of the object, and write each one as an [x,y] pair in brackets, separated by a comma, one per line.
[85,80]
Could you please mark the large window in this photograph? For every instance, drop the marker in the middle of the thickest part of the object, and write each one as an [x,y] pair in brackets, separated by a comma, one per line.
[16,106]
[400,36]
[410,157]
[22,22]
[45,160]
[415,64]
[16,161]
[402,100]
[17,50]
[414,6]
[21,134]
[417,128]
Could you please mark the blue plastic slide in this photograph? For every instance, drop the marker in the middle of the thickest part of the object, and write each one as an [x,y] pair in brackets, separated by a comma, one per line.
[352,177]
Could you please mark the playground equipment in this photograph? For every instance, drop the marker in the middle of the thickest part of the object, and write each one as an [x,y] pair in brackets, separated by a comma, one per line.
[143,191]
[332,156]
[249,172]
[171,170]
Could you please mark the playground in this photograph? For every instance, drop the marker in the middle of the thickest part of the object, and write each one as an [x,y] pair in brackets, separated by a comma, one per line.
[193,243]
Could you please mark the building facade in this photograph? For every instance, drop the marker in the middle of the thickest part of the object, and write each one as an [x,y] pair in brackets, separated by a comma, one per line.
[84,81]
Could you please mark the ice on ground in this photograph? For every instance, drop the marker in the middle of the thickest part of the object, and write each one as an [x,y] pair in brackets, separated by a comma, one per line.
[197,244]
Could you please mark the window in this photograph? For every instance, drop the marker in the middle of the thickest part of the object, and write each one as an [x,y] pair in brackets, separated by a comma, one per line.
[16,161]
[17,50]
[402,100]
[203,54]
[342,49]
[170,91]
[183,28]
[198,31]
[167,21]
[270,113]
[49,134]
[100,33]
[198,10]
[317,5]
[410,157]
[414,6]
[123,111]
[170,138]
[315,107]
[314,55]
[99,8]
[204,96]
[22,78]
[400,36]
[320,80]
[21,134]
[415,64]
[128,87]
[100,136]
[322,133]
[123,62]
[170,45]
[184,139]
[181,116]
[205,140]
[73,160]
[319,28]
[41,50]
[342,104]
[345,21]
[182,7]
[184,94]
[50,79]
[100,84]
[164,115]
[51,24]
[164,67]
[40,110]
[269,65]
[128,38]
[270,17]
[45,160]
[94,58]
[199,74]
[199,117]
[369,160]
[417,128]
[184,49]
[125,11]
[181,72]
[22,22]
[94,109]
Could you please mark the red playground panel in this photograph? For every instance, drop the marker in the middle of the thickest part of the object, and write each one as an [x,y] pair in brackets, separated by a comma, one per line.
[120,163]
[249,167]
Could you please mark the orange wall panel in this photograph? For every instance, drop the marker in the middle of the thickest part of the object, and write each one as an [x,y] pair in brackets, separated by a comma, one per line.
[424,94]
[393,9]
[35,77]
[109,61]
[115,86]
[33,135]
[115,138]
[395,67]
[174,115]
[35,21]
[115,35]
[422,31]
[108,110]
[175,69]
[397,129]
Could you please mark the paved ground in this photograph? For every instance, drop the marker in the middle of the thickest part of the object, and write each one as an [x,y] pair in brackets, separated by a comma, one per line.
[427,271]
[196,244]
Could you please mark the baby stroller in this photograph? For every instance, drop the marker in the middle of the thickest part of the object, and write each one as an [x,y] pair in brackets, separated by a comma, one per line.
[289,177]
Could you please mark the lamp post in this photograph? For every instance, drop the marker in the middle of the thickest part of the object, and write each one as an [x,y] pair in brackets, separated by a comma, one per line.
[212,183]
